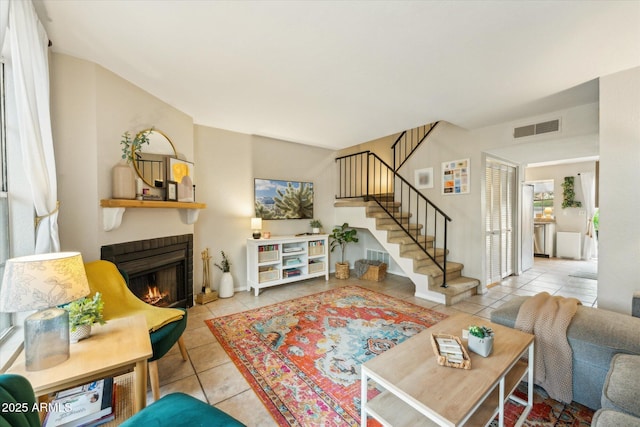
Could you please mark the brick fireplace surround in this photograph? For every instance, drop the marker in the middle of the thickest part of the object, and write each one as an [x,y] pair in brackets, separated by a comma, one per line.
[160,270]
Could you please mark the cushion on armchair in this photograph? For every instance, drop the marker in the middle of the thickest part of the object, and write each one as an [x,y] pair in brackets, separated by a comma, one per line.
[179,409]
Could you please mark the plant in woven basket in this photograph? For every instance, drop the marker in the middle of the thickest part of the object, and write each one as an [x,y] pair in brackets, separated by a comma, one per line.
[85,311]
[341,236]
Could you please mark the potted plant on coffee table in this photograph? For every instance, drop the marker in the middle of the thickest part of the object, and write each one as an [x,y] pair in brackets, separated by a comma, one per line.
[340,237]
[83,313]
[480,340]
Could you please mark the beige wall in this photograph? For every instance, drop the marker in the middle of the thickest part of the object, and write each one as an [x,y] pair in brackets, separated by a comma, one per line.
[568,219]
[619,250]
[92,108]
[448,142]
[233,161]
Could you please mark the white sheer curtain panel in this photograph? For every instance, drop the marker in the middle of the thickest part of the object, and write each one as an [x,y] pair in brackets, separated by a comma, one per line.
[29,67]
[590,241]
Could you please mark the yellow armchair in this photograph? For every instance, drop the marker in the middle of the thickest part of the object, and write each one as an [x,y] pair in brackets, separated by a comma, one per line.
[166,325]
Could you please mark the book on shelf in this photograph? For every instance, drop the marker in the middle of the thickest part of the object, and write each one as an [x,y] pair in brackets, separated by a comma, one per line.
[91,404]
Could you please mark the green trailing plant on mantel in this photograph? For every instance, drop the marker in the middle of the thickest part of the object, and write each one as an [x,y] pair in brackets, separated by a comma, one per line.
[569,194]
[130,146]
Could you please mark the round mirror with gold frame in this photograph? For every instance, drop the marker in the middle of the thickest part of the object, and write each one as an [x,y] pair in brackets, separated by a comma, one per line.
[149,160]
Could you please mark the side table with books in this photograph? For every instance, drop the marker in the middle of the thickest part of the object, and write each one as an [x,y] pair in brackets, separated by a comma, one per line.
[119,347]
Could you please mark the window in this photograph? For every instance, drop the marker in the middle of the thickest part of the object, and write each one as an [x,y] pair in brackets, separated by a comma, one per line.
[542,198]
[5,318]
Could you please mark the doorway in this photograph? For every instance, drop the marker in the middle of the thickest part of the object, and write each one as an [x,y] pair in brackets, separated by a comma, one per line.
[500,219]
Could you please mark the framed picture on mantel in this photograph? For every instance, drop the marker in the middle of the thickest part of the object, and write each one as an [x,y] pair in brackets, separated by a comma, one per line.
[181,172]
[172,191]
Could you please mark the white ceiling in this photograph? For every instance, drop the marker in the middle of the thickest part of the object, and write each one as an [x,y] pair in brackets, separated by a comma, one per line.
[339,73]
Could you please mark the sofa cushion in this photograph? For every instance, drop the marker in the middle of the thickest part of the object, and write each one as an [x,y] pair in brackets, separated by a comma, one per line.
[621,390]
[595,336]
[610,418]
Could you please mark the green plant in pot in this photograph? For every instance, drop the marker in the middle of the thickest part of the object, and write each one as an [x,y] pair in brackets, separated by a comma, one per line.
[340,237]
[480,340]
[83,313]
[316,225]
[130,146]
[226,288]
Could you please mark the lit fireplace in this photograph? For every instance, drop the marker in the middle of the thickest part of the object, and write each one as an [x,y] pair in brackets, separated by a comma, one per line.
[154,296]
[160,271]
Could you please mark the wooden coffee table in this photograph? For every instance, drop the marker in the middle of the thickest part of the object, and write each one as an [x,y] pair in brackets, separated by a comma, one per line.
[419,392]
[121,345]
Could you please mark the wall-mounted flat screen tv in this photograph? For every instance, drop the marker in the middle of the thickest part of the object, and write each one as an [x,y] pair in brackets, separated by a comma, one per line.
[276,199]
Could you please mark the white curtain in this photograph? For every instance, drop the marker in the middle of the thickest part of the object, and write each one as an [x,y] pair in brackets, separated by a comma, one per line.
[590,241]
[29,66]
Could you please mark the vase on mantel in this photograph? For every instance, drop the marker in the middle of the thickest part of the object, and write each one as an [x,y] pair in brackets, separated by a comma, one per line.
[123,181]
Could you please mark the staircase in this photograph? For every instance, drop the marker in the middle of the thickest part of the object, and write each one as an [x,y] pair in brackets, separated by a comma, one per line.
[410,227]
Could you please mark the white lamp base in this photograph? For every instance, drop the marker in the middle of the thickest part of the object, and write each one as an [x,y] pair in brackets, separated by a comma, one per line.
[46,338]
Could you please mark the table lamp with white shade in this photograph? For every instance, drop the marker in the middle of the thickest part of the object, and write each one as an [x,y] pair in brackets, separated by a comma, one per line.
[256,225]
[42,282]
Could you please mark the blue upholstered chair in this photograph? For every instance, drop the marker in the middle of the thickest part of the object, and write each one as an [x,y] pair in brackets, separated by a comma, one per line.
[172,410]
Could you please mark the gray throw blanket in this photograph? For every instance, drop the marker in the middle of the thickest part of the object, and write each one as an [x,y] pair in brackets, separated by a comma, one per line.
[548,317]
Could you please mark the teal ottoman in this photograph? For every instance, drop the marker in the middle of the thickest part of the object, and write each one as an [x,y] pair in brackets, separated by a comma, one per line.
[179,409]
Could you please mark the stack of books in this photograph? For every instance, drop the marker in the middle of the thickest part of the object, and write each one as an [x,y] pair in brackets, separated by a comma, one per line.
[88,405]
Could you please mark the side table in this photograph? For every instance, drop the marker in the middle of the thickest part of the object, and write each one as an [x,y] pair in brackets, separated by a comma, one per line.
[119,346]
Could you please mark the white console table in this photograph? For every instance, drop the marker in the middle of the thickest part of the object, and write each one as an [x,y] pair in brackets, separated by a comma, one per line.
[285,259]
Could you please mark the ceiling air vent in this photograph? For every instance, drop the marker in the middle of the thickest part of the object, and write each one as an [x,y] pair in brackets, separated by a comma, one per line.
[537,129]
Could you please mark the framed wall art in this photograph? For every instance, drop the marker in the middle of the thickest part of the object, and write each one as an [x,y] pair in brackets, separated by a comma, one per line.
[172,191]
[455,177]
[182,172]
[424,178]
[276,199]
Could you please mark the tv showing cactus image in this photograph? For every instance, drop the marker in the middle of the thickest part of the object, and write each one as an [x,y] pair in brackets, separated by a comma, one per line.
[276,199]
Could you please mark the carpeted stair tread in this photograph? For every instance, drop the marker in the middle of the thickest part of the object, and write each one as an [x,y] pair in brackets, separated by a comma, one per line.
[457,289]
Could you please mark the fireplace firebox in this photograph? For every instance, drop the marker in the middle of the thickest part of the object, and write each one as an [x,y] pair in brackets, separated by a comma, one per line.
[160,270]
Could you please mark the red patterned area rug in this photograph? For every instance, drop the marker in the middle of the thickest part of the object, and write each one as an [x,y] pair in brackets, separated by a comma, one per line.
[546,412]
[302,357]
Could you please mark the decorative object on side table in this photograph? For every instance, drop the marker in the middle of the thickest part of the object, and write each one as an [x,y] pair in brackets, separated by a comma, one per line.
[256,226]
[316,225]
[42,282]
[83,313]
[480,340]
[226,283]
[207,295]
[340,237]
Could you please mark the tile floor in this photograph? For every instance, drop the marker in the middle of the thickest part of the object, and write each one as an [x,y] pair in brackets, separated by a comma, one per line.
[211,376]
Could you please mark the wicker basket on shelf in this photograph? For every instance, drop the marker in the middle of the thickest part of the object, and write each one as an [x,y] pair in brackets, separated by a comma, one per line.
[342,270]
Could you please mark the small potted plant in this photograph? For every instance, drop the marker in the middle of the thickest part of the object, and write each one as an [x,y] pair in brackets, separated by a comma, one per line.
[130,146]
[316,225]
[480,340]
[226,283]
[340,237]
[83,313]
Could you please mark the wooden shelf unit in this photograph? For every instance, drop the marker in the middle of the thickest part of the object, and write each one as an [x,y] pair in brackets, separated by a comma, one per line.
[285,259]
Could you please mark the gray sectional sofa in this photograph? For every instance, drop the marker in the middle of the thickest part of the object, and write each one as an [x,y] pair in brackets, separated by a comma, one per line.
[595,336]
